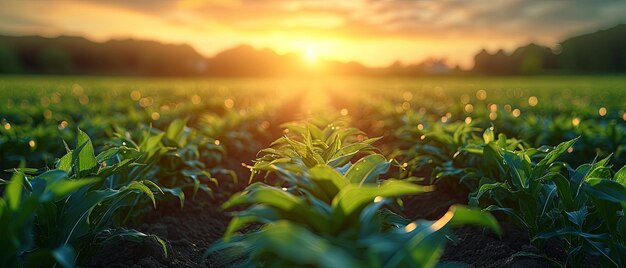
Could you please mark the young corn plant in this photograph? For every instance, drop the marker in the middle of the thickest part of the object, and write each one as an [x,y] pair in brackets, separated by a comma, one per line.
[338,221]
[434,147]
[55,217]
[178,158]
[591,218]
[584,211]
[309,146]
[236,132]
[519,186]
[595,138]
[453,152]
[336,216]
[473,162]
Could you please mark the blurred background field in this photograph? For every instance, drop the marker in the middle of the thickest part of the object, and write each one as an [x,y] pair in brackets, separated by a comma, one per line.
[39,111]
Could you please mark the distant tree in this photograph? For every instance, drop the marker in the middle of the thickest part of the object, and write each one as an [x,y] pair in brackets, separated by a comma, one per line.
[9,60]
[534,59]
[602,51]
[529,59]
[498,63]
[54,60]
[482,62]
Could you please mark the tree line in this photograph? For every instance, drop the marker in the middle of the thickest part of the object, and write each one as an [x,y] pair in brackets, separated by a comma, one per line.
[600,52]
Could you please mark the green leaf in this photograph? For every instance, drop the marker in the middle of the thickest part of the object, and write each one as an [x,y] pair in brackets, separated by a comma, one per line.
[367,169]
[352,199]
[141,187]
[577,217]
[600,169]
[428,240]
[297,245]
[488,135]
[600,248]
[343,155]
[502,140]
[66,186]
[130,234]
[110,170]
[175,129]
[563,188]
[298,147]
[621,226]
[286,204]
[257,213]
[52,176]
[177,192]
[588,238]
[492,158]
[107,154]
[26,171]
[235,224]
[517,169]
[552,156]
[620,176]
[606,190]
[509,212]
[488,187]
[152,142]
[570,231]
[77,210]
[65,163]
[3,207]
[65,256]
[86,157]
[13,192]
[547,197]
[328,179]
[343,169]
[462,215]
[153,185]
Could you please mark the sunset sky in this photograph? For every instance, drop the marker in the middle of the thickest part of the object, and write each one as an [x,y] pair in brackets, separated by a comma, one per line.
[375,33]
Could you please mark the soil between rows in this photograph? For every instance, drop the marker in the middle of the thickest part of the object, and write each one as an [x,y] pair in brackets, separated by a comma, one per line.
[189,231]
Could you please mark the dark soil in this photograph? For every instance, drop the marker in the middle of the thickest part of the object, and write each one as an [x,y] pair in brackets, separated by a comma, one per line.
[433,205]
[482,248]
[476,247]
[188,232]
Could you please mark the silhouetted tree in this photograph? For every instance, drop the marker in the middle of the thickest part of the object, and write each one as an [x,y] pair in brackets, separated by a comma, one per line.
[602,51]
[9,61]
[534,59]
[53,60]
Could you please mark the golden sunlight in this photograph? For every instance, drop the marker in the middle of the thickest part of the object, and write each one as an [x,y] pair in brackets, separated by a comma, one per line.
[310,56]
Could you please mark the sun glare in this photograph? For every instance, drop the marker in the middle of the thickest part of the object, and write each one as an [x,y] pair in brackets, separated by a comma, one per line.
[310,55]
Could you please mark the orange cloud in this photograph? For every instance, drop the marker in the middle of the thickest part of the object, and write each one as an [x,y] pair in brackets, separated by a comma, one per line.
[373,32]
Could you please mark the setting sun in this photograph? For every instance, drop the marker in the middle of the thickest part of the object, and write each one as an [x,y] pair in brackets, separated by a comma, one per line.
[408,31]
[310,56]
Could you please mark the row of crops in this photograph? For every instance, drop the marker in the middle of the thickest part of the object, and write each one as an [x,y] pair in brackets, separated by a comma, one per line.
[71,192]
[85,161]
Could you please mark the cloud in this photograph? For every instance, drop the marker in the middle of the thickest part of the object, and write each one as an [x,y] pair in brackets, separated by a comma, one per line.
[216,24]
[390,19]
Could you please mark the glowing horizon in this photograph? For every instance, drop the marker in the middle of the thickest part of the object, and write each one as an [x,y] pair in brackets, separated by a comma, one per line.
[374,33]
